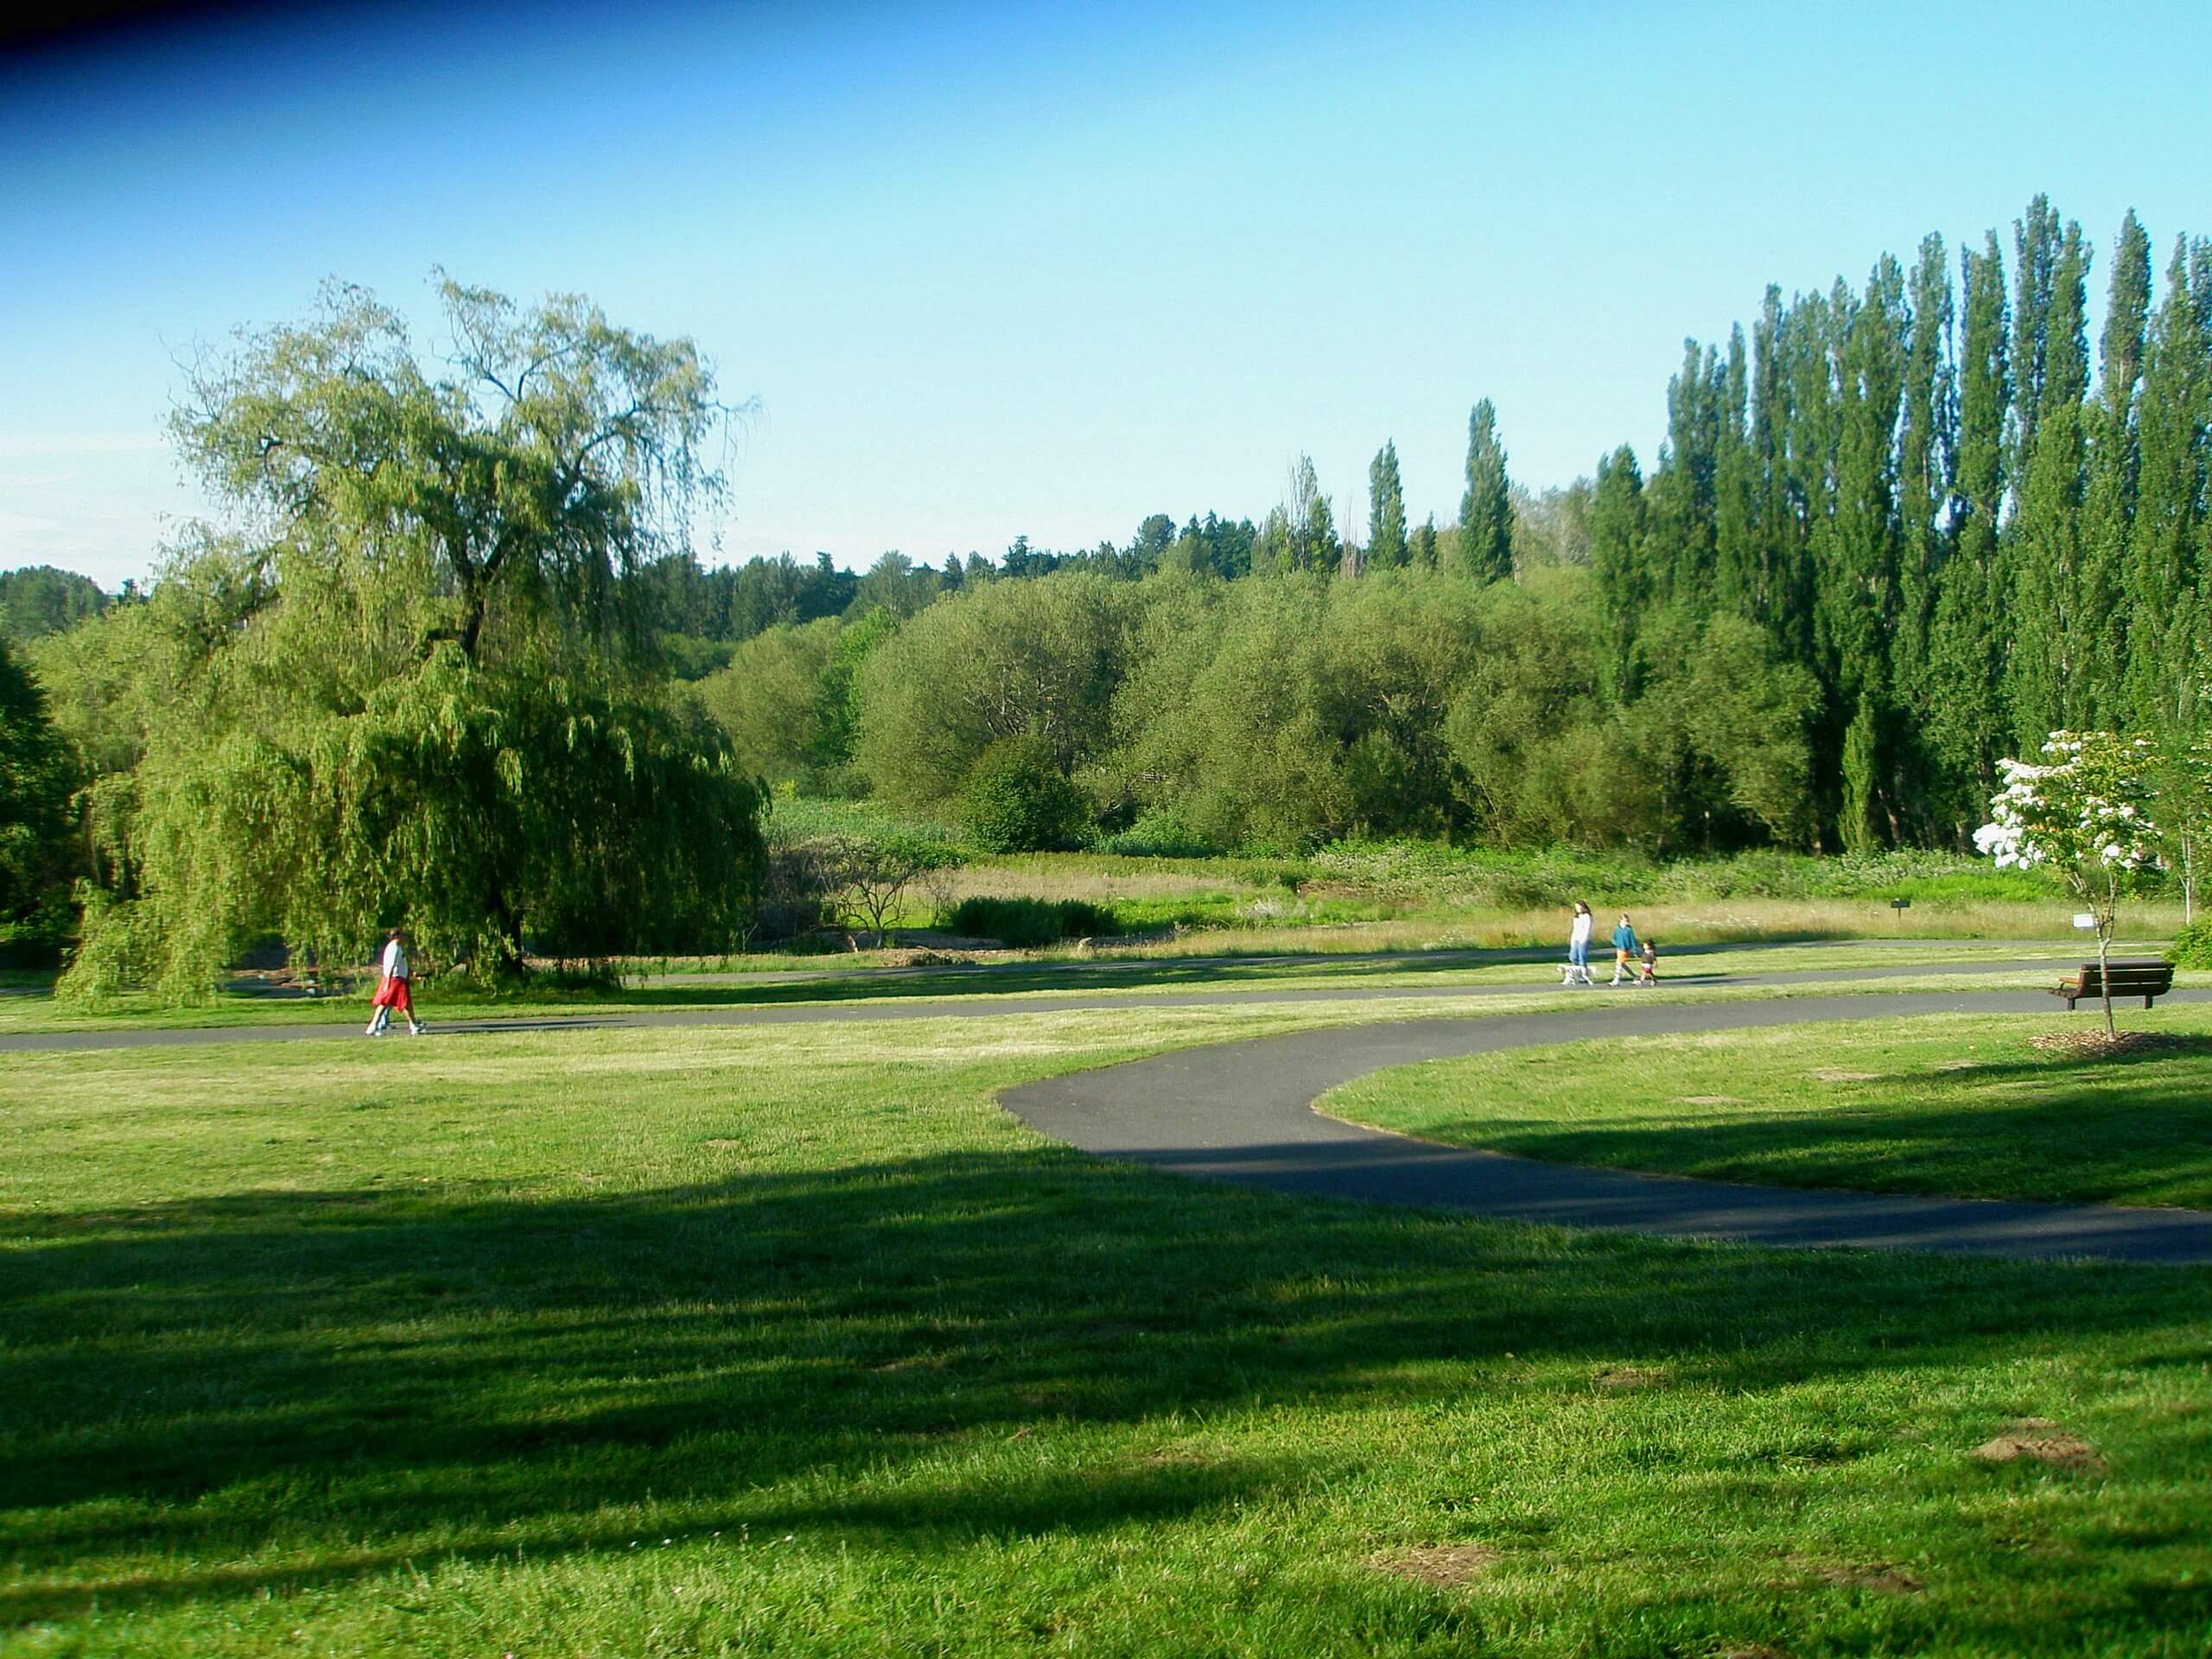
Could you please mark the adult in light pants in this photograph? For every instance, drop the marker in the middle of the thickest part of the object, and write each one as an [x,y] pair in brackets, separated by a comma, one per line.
[392,992]
[1578,946]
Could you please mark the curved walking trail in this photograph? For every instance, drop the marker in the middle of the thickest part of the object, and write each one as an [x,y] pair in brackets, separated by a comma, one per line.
[1243,1112]
[981,1006]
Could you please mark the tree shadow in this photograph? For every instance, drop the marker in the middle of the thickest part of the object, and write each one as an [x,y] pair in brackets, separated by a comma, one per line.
[2067,1143]
[434,1375]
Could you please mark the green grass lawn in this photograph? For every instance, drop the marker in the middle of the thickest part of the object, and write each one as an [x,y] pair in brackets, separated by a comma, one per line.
[786,1340]
[1957,1103]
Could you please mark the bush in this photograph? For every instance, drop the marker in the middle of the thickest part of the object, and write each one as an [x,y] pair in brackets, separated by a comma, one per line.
[1160,833]
[1030,921]
[2192,946]
[1018,800]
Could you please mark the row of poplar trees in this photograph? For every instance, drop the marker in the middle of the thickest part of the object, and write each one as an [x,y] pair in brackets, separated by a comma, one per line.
[1930,494]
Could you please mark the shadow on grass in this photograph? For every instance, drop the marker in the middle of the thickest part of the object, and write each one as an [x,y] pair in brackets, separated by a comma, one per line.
[350,1378]
[2068,1128]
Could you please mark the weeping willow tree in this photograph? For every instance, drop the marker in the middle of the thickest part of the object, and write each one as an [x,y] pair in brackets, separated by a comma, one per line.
[416,686]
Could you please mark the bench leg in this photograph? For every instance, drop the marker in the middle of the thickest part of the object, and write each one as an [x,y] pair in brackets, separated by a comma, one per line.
[2070,1004]
[2146,1001]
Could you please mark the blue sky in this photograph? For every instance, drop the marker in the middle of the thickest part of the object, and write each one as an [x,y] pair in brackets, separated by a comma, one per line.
[1041,269]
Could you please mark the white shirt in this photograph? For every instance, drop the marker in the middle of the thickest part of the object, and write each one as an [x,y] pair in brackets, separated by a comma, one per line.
[395,961]
[1581,934]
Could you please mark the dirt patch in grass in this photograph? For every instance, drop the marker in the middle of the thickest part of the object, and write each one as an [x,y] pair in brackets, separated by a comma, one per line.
[1442,1565]
[1621,1379]
[1885,1577]
[1847,1076]
[2041,1441]
[2116,1045]
[1708,1100]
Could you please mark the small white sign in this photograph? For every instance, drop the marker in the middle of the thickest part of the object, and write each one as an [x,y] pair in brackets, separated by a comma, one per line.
[2082,919]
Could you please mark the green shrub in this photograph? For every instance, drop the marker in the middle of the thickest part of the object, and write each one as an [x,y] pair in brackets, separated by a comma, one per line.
[1030,921]
[2192,945]
[1018,800]
[1160,833]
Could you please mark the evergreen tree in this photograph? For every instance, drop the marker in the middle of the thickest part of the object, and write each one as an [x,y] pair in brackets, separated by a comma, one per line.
[1485,549]
[1422,549]
[1386,509]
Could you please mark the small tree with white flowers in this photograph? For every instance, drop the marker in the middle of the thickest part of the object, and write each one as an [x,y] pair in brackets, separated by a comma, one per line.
[2085,813]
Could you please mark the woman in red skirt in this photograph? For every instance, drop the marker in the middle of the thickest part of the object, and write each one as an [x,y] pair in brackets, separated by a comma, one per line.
[392,993]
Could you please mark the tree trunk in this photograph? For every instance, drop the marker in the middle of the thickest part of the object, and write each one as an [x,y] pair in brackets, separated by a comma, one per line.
[2104,921]
[2188,878]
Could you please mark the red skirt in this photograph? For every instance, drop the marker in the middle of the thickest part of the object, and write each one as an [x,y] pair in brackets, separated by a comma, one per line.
[392,993]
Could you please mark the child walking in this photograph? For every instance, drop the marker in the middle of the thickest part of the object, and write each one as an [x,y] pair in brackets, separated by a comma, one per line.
[1650,974]
[1623,948]
[392,992]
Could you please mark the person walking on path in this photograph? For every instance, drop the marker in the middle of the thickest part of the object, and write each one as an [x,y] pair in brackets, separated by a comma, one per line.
[1578,946]
[1650,974]
[1624,947]
[392,992]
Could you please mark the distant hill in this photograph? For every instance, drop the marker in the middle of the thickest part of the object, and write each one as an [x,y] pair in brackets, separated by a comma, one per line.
[41,600]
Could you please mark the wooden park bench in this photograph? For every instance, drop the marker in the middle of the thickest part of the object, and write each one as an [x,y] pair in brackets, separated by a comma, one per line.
[2146,976]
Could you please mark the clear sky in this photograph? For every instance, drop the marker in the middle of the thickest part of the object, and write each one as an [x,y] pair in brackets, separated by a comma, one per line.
[1043,269]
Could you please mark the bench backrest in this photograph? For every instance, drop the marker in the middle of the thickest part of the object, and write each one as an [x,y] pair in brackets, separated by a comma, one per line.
[2130,974]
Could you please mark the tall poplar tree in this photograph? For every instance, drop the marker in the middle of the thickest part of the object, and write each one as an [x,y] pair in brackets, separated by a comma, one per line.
[1617,563]
[2038,241]
[2100,620]
[1485,548]
[1858,590]
[1738,576]
[2168,548]
[1964,717]
[1423,549]
[1776,534]
[1386,509]
[1810,357]
[2044,683]
[1926,441]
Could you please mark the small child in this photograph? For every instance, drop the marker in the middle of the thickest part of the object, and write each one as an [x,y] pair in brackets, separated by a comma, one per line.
[1650,974]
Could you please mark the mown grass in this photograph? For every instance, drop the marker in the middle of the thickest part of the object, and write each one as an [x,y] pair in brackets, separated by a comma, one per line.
[1961,1104]
[788,1341]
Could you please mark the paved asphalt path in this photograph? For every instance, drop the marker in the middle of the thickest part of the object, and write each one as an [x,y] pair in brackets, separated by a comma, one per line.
[963,1008]
[1242,1113]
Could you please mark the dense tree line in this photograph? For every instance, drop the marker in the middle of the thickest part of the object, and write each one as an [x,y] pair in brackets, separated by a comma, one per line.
[1904,529]
[1922,494]
[1896,532]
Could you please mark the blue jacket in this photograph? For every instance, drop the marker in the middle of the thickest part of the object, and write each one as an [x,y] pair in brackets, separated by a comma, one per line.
[1625,938]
